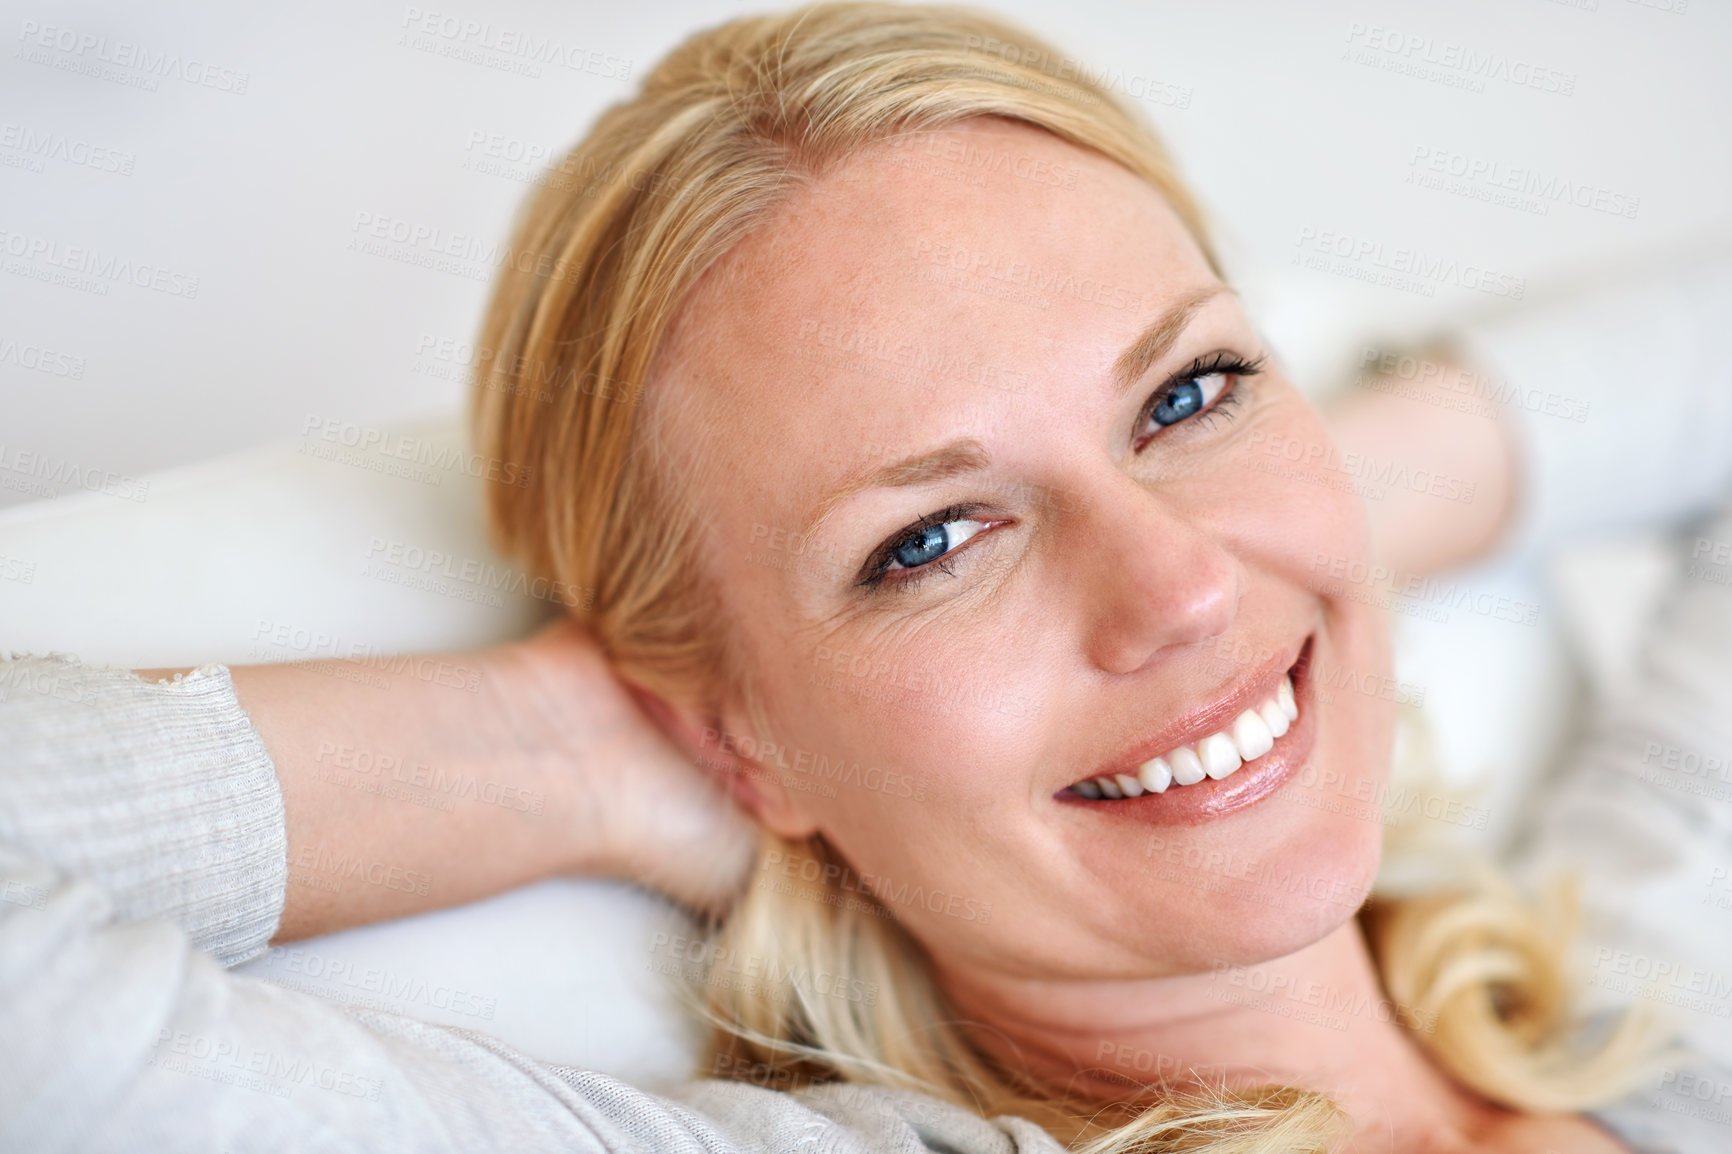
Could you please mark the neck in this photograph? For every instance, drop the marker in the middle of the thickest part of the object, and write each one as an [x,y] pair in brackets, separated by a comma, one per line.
[1317,1019]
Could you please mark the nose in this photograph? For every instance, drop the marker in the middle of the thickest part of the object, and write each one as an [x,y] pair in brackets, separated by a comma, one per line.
[1153,576]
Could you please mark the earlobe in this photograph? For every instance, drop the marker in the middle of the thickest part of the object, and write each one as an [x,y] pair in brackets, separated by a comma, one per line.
[710,741]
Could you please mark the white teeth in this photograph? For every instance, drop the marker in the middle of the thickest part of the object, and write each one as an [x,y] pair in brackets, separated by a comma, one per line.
[1274,718]
[1187,770]
[1252,734]
[1156,775]
[1219,755]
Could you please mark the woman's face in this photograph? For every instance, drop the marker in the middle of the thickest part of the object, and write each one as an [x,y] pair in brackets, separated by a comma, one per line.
[994,514]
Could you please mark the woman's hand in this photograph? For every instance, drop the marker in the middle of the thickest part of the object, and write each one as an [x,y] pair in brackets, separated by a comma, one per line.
[428,782]
[663,821]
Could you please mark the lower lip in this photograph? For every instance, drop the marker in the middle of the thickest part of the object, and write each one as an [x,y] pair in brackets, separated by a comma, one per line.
[1210,799]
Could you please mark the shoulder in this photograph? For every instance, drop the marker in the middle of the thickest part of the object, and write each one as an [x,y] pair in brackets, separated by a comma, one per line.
[850,1117]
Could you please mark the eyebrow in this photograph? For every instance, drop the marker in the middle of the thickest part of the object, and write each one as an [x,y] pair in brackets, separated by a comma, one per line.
[970,456]
[964,456]
[1158,338]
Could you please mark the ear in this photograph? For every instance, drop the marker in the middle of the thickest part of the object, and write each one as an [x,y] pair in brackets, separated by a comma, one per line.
[748,769]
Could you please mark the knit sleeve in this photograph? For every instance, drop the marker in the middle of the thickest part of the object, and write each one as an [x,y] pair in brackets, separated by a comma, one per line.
[162,795]
[142,850]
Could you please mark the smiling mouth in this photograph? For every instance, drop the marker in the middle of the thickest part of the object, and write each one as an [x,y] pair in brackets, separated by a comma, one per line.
[1240,758]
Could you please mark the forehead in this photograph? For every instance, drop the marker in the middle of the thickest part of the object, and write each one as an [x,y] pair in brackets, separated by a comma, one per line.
[940,285]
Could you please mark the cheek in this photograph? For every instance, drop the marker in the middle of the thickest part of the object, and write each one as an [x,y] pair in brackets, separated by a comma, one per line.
[902,749]
[1293,506]
[1305,524]
[892,729]
[1294,513]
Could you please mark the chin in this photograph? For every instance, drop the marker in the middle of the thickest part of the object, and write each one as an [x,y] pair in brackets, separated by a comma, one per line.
[1339,863]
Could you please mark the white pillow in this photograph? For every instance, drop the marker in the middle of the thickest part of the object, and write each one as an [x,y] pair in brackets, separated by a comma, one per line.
[355,536]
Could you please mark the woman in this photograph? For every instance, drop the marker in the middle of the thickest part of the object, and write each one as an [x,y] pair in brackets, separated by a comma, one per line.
[878,382]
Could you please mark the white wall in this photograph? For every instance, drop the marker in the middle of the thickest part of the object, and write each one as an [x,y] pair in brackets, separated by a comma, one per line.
[347,110]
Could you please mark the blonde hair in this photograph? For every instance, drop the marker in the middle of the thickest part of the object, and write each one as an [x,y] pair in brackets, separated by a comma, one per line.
[724,129]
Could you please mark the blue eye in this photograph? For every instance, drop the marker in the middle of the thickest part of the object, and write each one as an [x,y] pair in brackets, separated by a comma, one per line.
[928,543]
[1206,386]
[929,540]
[1187,398]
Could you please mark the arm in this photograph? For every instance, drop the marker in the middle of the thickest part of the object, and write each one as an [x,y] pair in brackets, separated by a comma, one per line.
[1613,406]
[121,1033]
[424,794]
[142,846]
[1639,812]
[1448,471]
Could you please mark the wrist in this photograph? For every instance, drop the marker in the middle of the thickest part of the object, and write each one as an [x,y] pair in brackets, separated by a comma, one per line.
[553,712]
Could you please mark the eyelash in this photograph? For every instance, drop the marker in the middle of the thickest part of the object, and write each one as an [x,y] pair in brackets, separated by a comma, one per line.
[877,569]
[1223,363]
